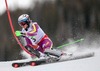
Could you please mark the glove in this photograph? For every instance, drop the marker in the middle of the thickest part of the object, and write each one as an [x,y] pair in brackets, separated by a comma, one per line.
[18,33]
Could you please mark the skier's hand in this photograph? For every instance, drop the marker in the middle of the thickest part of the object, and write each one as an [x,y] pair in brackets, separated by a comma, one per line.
[18,33]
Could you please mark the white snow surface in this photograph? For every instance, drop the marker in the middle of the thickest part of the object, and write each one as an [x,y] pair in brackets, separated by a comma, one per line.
[87,64]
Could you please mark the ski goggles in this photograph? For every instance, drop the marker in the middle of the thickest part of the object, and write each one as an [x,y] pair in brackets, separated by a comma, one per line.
[22,23]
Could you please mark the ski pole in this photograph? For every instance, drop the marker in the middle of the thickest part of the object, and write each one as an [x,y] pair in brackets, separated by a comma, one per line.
[70,43]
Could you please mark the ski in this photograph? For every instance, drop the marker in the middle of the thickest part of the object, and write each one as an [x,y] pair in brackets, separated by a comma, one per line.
[31,63]
[52,60]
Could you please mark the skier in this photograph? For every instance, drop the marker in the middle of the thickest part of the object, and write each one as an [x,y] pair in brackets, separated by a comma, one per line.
[35,40]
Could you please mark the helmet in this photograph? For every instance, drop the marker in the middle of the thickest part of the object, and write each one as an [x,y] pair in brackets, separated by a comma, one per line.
[24,18]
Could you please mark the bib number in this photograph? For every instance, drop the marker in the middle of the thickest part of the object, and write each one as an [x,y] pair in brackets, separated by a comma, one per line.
[33,38]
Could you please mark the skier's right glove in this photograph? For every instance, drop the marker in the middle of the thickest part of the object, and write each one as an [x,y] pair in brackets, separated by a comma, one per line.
[19,33]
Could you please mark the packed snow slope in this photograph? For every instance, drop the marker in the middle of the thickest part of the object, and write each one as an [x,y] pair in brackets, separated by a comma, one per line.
[87,64]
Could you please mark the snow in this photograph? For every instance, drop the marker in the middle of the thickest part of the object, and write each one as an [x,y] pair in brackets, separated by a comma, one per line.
[87,64]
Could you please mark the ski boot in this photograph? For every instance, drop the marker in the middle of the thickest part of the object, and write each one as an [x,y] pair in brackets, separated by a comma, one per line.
[53,55]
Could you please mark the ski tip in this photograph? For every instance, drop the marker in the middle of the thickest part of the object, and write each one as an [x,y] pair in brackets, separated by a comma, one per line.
[32,64]
[15,65]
